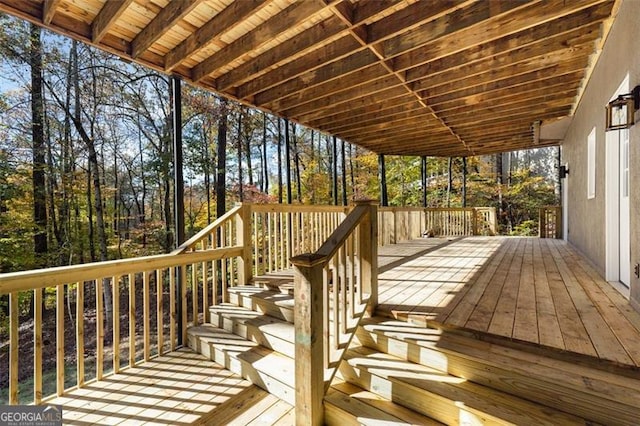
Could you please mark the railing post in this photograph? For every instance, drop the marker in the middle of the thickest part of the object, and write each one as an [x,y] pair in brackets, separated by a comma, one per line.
[243,229]
[542,223]
[309,351]
[368,236]
[474,221]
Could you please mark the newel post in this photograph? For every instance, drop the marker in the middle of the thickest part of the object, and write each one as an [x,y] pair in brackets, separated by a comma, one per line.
[244,237]
[309,351]
[368,244]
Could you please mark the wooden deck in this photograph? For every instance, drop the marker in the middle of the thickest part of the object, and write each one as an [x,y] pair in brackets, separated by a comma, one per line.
[179,388]
[527,290]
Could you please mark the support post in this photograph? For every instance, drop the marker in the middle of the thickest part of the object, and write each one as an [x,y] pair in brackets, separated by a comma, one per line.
[243,230]
[464,181]
[368,245]
[178,187]
[423,172]
[382,171]
[334,171]
[309,351]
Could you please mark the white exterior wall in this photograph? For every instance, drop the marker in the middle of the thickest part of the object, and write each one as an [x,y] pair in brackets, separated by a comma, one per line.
[587,217]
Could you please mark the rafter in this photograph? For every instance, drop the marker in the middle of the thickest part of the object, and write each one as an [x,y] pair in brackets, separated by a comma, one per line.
[164,20]
[49,10]
[283,21]
[228,18]
[108,15]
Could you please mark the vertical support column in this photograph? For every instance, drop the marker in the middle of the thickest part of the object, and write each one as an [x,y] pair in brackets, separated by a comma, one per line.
[423,173]
[334,171]
[178,184]
[309,352]
[243,234]
[542,223]
[464,181]
[368,245]
[382,171]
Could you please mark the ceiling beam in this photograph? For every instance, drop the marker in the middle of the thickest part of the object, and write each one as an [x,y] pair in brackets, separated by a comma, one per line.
[160,24]
[290,17]
[107,16]
[49,10]
[228,18]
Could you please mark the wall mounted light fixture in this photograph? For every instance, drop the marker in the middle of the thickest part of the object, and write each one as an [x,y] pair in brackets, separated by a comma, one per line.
[620,111]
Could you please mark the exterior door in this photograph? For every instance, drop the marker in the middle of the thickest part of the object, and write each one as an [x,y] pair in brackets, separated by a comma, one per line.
[625,240]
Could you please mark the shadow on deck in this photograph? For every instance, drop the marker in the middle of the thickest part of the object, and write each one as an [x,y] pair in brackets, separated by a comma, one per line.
[537,292]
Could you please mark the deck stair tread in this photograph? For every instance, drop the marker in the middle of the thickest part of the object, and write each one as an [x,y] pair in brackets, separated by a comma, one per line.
[347,404]
[268,331]
[266,368]
[442,396]
[590,393]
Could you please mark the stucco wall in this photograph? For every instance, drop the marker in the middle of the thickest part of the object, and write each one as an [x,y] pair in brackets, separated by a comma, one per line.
[620,56]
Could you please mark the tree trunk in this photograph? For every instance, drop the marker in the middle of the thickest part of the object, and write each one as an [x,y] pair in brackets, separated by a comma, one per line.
[247,140]
[279,162]
[39,163]
[239,147]
[296,156]
[265,171]
[222,160]
[287,160]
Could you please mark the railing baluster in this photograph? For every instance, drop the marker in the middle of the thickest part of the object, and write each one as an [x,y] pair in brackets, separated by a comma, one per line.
[194,294]
[160,309]
[99,329]
[205,291]
[80,333]
[146,317]
[115,287]
[37,345]
[172,308]
[183,301]
[132,320]
[60,339]
[13,347]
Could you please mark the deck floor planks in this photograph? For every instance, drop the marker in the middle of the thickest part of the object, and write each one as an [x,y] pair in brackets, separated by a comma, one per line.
[574,335]
[503,318]
[553,297]
[482,315]
[525,326]
[621,327]
[459,278]
[459,309]
[177,388]
[549,331]
[601,336]
[413,282]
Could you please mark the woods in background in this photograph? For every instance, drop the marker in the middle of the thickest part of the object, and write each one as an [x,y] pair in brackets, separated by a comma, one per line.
[86,160]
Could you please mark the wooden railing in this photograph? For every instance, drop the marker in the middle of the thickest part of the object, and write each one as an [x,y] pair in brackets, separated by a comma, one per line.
[333,286]
[550,222]
[112,293]
[396,224]
[280,232]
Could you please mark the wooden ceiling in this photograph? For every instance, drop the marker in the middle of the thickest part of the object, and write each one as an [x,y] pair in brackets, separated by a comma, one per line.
[441,77]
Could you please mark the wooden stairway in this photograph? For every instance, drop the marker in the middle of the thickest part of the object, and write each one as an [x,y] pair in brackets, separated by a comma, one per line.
[397,373]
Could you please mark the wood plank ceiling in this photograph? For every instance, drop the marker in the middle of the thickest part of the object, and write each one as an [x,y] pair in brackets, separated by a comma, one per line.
[443,77]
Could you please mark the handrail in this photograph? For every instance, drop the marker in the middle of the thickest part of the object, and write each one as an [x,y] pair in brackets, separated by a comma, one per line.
[334,287]
[50,277]
[329,248]
[191,242]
